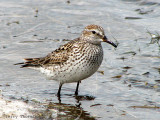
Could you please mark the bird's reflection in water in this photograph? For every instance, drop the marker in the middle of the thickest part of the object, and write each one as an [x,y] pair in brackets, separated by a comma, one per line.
[64,110]
[70,111]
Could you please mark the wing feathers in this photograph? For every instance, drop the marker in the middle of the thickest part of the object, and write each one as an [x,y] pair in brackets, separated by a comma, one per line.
[58,56]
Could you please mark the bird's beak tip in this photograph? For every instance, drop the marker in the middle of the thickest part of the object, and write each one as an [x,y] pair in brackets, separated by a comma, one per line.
[107,41]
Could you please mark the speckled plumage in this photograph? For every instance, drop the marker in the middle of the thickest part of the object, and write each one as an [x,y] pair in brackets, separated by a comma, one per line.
[74,61]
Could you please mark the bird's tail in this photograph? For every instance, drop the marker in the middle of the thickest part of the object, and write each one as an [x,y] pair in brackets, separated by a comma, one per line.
[30,62]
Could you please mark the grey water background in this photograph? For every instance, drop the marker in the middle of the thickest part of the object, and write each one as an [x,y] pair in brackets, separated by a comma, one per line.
[130,86]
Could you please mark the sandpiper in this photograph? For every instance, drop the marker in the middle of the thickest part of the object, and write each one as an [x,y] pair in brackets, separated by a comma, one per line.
[74,61]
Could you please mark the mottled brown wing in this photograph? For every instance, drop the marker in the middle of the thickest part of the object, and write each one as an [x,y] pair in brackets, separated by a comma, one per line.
[58,56]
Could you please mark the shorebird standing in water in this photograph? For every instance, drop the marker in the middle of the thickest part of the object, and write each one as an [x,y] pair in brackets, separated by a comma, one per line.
[78,59]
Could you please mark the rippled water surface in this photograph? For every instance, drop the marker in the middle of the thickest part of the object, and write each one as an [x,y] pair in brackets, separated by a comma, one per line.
[129,89]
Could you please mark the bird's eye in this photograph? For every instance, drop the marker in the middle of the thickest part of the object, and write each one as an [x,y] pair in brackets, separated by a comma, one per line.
[93,32]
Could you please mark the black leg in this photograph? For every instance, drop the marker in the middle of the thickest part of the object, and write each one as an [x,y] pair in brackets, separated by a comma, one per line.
[59,90]
[76,92]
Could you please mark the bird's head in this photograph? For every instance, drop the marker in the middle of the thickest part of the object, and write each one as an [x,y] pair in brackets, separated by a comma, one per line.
[95,34]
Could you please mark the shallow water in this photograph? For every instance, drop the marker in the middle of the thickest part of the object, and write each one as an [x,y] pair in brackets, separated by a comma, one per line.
[130,86]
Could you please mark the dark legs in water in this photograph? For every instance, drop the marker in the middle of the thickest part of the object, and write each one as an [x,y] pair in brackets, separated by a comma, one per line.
[59,90]
[60,86]
[76,92]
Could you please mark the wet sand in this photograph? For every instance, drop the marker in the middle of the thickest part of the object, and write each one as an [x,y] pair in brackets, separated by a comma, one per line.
[129,89]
